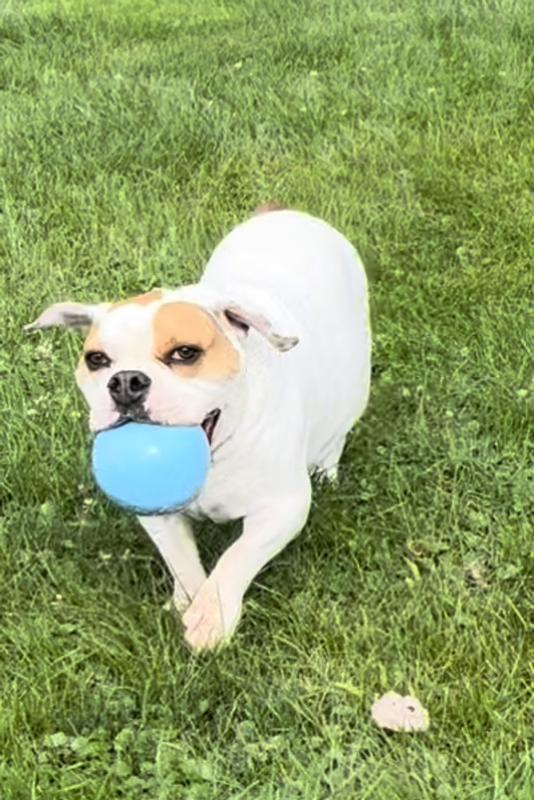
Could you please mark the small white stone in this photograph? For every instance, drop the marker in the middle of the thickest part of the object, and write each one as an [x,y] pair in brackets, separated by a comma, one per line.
[396,713]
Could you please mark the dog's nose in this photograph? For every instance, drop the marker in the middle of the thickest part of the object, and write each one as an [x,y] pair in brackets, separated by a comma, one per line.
[129,387]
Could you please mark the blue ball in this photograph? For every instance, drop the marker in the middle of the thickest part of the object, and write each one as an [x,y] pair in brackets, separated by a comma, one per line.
[151,469]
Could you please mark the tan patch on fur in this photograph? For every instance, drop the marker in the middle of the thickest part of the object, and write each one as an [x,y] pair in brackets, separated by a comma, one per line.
[177,323]
[266,208]
[140,299]
[91,344]
[92,341]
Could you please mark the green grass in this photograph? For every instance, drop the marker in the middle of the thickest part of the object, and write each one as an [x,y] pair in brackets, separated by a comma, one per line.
[133,136]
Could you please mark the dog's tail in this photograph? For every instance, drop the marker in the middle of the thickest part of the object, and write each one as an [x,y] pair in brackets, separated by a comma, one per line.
[266,208]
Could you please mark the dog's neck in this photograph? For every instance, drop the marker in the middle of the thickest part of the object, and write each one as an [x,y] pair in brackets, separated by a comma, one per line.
[249,400]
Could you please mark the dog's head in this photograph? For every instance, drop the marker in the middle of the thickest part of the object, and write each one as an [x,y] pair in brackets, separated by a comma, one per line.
[165,357]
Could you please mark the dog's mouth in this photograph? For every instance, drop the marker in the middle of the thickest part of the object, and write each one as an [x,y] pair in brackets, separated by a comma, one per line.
[132,415]
[210,423]
[129,415]
[139,415]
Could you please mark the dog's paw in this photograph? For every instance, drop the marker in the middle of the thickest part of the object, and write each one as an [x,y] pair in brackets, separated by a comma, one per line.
[209,623]
[332,475]
[179,602]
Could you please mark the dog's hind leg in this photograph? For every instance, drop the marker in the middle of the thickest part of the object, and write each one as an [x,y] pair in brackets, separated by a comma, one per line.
[328,464]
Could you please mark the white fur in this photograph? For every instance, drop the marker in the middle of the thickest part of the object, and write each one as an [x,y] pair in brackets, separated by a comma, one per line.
[293,410]
[284,415]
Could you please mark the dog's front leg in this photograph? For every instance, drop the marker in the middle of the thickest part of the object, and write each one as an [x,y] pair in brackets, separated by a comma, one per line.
[173,536]
[214,613]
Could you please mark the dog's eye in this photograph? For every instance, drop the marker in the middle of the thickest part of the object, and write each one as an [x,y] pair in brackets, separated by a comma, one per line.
[97,360]
[185,354]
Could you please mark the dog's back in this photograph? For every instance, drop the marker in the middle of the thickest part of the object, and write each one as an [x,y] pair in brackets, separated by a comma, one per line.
[306,275]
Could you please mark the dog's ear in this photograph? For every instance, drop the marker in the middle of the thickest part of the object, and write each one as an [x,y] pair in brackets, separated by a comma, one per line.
[67,315]
[241,321]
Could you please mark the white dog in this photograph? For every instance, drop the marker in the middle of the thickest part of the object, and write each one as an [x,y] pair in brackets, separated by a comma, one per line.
[270,351]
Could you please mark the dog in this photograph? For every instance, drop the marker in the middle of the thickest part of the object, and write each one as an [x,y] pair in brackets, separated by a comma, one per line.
[271,353]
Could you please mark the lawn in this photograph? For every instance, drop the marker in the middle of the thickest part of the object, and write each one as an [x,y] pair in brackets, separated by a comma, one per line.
[133,135]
